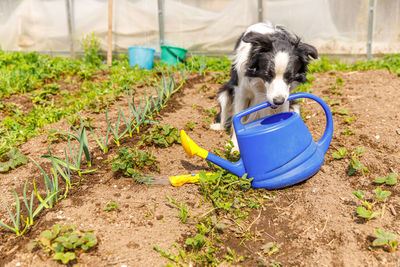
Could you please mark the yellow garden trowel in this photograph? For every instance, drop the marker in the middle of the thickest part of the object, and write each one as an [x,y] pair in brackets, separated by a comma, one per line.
[178,180]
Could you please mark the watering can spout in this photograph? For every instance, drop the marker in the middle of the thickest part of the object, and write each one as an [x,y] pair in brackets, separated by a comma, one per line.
[191,148]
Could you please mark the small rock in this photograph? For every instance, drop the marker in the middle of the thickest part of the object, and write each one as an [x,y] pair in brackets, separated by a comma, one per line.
[117,194]
[159,217]
[128,197]
[150,223]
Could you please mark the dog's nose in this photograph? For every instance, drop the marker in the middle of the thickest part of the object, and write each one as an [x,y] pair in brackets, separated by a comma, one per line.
[278,100]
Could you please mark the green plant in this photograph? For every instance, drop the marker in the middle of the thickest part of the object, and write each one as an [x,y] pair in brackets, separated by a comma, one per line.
[91,45]
[349,120]
[15,158]
[366,211]
[51,186]
[190,125]
[75,155]
[15,218]
[342,112]
[382,195]
[130,159]
[335,102]
[211,112]
[232,257]
[347,132]
[196,243]
[270,248]
[55,136]
[391,179]
[116,131]
[340,154]
[161,136]
[384,238]
[102,142]
[183,210]
[355,165]
[64,242]
[29,207]
[111,206]
[140,112]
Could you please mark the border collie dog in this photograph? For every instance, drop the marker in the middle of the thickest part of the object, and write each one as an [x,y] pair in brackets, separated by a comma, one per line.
[269,62]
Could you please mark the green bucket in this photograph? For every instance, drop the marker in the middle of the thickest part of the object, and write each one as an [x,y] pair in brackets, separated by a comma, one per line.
[172,54]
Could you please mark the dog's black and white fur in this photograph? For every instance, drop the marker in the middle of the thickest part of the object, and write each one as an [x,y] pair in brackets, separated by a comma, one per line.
[269,62]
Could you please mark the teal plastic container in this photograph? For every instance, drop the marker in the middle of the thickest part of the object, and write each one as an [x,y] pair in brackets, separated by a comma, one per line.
[141,56]
[173,55]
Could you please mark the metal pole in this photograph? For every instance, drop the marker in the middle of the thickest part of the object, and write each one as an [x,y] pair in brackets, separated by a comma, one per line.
[371,10]
[161,20]
[70,29]
[260,11]
[109,34]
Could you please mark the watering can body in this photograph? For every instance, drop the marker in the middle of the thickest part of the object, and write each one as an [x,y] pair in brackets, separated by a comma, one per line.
[277,151]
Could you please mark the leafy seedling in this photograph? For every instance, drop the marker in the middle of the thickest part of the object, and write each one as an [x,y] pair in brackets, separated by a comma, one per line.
[366,214]
[335,103]
[196,243]
[130,160]
[161,136]
[355,164]
[347,132]
[64,242]
[15,158]
[190,125]
[111,206]
[349,120]
[340,154]
[270,248]
[382,195]
[54,136]
[391,179]
[384,238]
[342,112]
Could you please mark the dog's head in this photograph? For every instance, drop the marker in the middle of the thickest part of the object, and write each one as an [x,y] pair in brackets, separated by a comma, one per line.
[280,60]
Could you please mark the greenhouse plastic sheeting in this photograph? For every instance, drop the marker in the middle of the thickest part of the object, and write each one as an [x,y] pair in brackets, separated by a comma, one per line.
[333,26]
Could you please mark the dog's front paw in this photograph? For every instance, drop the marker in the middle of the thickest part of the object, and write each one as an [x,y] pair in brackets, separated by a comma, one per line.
[216,127]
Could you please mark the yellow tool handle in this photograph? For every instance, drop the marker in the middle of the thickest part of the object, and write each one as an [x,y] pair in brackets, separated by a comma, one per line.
[180,180]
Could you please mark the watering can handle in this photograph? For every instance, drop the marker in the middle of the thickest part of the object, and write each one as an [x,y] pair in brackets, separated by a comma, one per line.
[326,138]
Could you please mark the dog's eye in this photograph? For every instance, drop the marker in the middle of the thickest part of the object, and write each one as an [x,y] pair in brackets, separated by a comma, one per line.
[288,77]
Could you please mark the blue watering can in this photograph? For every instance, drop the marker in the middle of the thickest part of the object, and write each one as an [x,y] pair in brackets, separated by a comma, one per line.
[276,151]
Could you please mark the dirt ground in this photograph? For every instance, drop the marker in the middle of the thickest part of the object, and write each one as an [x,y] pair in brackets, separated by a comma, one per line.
[313,223]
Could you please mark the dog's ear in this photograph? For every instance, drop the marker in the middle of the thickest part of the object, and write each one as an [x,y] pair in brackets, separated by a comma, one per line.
[261,40]
[306,50]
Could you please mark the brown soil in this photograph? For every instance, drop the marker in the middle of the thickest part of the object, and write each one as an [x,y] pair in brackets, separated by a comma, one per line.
[312,223]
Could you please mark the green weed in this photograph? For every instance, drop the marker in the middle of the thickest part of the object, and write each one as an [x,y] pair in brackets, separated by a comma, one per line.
[183,210]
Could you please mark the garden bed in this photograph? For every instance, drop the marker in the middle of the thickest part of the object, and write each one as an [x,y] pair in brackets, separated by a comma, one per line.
[314,222]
